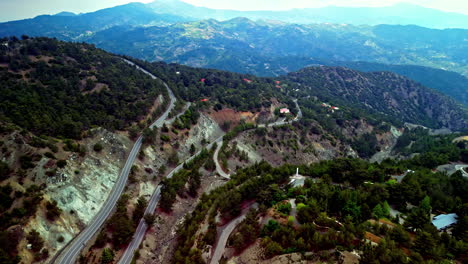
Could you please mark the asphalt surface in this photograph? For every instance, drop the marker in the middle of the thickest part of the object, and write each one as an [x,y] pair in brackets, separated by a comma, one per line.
[227,230]
[73,249]
[225,233]
[219,169]
[153,202]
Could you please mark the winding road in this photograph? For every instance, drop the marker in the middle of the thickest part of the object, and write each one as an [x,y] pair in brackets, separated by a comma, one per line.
[72,250]
[219,169]
[153,202]
[226,232]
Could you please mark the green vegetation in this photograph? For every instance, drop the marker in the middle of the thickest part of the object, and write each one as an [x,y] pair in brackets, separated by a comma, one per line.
[51,98]
[98,147]
[434,150]
[334,212]
[107,256]
[53,212]
[120,224]
[220,87]
[176,185]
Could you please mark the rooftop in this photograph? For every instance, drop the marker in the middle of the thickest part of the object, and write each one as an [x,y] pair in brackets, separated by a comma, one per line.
[444,220]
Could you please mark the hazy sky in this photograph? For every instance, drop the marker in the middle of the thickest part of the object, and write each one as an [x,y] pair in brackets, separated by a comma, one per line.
[18,9]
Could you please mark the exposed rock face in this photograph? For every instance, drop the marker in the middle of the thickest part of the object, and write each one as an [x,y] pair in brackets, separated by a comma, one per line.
[206,128]
[81,188]
[391,138]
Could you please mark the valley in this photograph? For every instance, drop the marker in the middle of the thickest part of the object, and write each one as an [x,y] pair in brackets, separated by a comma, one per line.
[166,132]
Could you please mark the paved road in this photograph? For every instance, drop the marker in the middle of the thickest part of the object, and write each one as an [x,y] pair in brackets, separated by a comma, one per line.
[462,168]
[143,227]
[226,232]
[73,249]
[219,169]
[153,202]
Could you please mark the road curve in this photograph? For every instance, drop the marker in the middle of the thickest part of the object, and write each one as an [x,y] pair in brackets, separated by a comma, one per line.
[143,227]
[219,169]
[73,249]
[153,202]
[226,232]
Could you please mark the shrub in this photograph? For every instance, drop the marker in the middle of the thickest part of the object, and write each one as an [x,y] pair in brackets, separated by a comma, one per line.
[61,163]
[98,147]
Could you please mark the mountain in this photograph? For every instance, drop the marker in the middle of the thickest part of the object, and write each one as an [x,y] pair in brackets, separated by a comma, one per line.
[68,26]
[61,89]
[449,83]
[265,48]
[65,14]
[70,112]
[383,92]
[384,95]
[243,45]
[398,14]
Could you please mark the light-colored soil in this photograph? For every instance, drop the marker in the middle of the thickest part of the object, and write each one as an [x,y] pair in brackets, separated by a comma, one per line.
[159,243]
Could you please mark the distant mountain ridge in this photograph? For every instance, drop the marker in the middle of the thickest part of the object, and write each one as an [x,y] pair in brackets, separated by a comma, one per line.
[239,43]
[167,30]
[69,26]
[398,14]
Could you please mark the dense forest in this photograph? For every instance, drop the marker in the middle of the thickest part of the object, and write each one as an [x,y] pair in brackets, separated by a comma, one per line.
[344,205]
[358,94]
[382,93]
[62,89]
[238,91]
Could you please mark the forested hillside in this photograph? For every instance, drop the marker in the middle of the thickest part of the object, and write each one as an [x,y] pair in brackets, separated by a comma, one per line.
[62,89]
[381,92]
[240,44]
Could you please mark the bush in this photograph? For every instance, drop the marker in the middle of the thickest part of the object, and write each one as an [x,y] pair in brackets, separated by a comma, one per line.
[4,170]
[98,147]
[61,163]
[35,240]
[52,210]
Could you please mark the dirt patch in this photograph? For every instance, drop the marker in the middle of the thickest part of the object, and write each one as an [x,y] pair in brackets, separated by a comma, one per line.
[160,241]
[45,59]
[97,88]
[232,116]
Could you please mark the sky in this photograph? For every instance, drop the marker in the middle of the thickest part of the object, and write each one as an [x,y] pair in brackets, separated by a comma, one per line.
[19,9]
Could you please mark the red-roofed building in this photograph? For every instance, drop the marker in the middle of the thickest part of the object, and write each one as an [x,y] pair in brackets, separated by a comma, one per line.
[247,80]
[204,100]
[203,80]
[284,111]
[278,82]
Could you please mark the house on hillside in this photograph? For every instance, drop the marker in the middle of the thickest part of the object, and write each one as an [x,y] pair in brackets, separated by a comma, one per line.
[247,80]
[284,111]
[444,221]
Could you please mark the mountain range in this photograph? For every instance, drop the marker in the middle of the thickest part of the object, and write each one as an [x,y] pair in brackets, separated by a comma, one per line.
[171,30]
[401,13]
